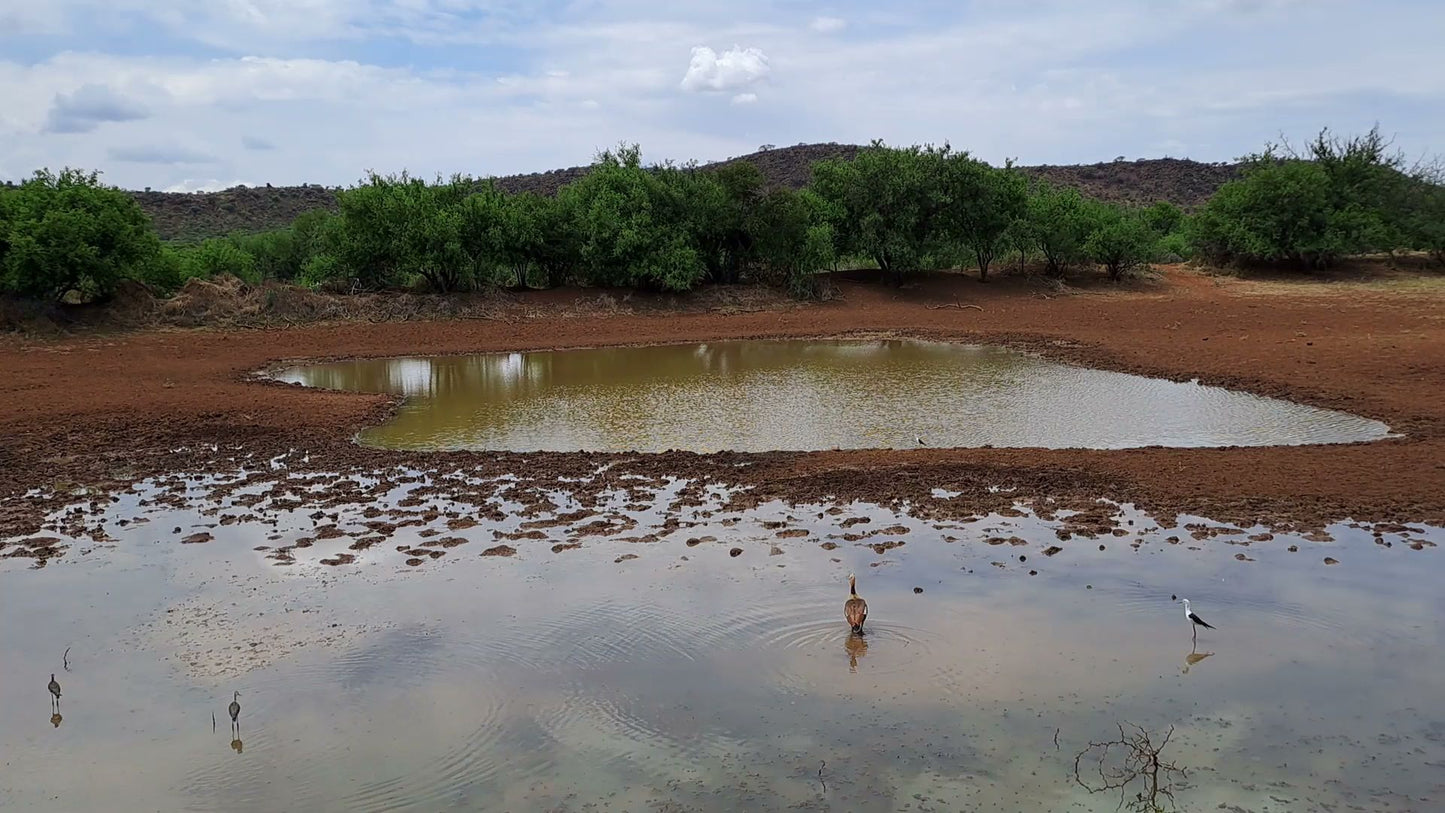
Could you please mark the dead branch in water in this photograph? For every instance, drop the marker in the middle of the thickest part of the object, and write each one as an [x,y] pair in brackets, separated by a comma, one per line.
[953,304]
[1139,761]
[65,659]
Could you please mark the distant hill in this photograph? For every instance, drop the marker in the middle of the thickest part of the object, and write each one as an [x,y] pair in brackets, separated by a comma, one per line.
[190,216]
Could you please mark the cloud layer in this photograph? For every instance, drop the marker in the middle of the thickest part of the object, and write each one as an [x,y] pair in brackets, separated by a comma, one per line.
[292,91]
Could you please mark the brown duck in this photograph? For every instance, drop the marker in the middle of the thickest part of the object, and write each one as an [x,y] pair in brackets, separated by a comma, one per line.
[855,609]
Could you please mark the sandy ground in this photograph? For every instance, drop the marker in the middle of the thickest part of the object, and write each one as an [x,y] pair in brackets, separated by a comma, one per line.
[103,410]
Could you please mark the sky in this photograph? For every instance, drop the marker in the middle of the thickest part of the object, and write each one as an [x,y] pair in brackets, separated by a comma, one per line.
[189,95]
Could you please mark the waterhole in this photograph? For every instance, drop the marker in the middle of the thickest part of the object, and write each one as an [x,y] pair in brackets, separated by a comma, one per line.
[603,672]
[807,396]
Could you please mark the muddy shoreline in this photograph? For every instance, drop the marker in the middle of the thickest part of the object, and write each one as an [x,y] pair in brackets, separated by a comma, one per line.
[105,411]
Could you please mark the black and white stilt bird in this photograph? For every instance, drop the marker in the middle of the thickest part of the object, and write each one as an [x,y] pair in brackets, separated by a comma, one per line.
[1195,622]
[55,692]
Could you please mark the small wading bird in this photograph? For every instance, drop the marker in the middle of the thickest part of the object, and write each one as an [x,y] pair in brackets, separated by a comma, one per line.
[1195,622]
[919,440]
[855,609]
[235,710]
[55,692]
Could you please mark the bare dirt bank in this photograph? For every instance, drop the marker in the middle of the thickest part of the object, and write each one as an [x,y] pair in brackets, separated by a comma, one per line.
[105,410]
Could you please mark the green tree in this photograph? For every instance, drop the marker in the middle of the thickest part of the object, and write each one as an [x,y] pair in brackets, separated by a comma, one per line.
[1121,240]
[980,202]
[1058,223]
[1277,212]
[1309,207]
[393,228]
[546,234]
[884,204]
[793,241]
[67,232]
[632,226]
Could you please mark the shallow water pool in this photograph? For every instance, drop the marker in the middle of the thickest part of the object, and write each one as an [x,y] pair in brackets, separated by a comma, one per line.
[650,650]
[807,396]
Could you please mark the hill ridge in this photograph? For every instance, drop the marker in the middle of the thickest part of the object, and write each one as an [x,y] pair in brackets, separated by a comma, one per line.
[197,215]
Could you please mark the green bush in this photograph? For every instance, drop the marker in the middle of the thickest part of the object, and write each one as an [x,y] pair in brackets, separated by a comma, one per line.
[1057,223]
[217,256]
[632,226]
[883,204]
[1337,198]
[67,233]
[793,241]
[1120,240]
[980,204]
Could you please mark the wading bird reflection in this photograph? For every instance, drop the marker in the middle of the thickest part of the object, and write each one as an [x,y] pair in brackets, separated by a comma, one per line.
[1193,658]
[235,710]
[856,648]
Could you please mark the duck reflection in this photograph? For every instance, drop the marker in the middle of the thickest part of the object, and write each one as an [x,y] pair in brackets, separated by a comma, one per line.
[55,719]
[236,744]
[857,647]
[1193,658]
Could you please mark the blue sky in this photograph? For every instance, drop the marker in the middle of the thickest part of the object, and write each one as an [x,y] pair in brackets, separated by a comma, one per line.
[203,94]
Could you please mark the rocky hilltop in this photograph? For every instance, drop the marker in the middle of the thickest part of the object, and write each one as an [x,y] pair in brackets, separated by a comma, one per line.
[180,215]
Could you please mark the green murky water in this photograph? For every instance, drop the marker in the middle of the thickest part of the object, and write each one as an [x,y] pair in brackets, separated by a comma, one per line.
[807,395]
[624,659]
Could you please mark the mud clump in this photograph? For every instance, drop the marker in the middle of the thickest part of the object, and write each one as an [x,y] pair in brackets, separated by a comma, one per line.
[500,550]
[792,533]
[881,548]
[339,559]
[623,558]
[561,546]
[197,539]
[414,561]
[1053,550]
[735,552]
[1330,560]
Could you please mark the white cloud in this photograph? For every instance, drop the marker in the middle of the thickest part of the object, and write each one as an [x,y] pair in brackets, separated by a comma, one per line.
[203,185]
[828,25]
[745,98]
[732,70]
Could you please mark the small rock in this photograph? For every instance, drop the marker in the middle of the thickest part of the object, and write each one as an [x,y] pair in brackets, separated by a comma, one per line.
[413,561]
[775,551]
[623,558]
[735,552]
[1293,549]
[917,590]
[197,538]
[1054,549]
[1329,560]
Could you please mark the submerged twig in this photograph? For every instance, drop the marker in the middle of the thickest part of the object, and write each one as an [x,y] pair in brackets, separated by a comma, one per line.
[821,780]
[1056,739]
[1140,762]
[65,659]
[213,722]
